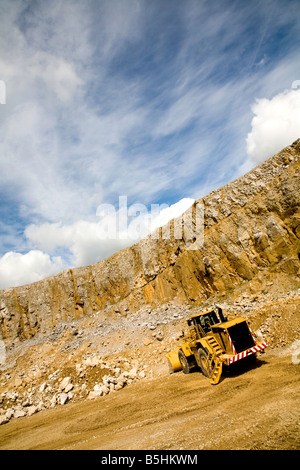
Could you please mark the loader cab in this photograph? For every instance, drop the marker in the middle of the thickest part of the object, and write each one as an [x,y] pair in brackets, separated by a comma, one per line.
[206,320]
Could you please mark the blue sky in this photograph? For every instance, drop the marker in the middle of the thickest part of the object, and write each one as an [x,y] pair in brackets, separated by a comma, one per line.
[161,101]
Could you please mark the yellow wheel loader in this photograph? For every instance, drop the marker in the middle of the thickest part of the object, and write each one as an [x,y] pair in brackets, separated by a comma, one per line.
[211,342]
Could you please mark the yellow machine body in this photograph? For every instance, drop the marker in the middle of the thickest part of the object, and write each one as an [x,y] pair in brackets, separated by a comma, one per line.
[212,341]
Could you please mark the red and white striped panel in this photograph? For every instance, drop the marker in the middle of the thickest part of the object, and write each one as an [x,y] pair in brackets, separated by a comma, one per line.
[231,343]
[246,353]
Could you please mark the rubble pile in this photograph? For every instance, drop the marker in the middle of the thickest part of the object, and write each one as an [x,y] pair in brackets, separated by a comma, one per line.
[90,379]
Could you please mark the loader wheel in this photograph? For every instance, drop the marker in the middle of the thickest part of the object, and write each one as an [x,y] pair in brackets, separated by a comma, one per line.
[185,364]
[203,362]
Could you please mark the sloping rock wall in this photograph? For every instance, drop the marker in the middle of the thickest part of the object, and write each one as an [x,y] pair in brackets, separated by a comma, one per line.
[251,240]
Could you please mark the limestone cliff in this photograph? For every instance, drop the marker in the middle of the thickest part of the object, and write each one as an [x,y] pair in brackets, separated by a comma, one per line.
[251,241]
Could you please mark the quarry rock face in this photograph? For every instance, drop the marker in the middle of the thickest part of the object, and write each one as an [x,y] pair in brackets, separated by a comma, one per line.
[250,243]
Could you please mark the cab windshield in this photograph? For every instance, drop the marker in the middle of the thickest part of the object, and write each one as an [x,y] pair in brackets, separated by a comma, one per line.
[206,320]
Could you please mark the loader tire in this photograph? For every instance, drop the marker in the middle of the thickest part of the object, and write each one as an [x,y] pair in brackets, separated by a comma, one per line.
[203,362]
[185,363]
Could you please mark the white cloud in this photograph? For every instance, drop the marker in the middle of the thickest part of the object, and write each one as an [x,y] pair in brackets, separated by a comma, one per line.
[17,269]
[44,65]
[82,242]
[58,75]
[275,125]
[181,113]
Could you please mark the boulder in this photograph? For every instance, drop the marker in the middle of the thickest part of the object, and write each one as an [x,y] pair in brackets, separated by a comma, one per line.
[64,383]
[63,398]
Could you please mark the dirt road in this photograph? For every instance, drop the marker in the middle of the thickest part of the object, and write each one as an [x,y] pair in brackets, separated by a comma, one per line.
[253,407]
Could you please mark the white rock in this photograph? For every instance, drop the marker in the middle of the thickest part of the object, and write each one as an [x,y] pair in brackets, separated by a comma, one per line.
[19,413]
[63,398]
[9,414]
[31,410]
[64,383]
[92,395]
[27,401]
[93,361]
[3,419]
[132,373]
[105,390]
[11,396]
[40,406]
[69,387]
[53,401]
[160,336]
[119,385]
[122,379]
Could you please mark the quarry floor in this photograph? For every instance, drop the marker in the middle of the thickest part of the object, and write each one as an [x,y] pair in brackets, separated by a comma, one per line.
[255,406]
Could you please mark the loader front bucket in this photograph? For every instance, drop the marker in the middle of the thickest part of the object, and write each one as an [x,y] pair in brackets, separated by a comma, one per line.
[173,361]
